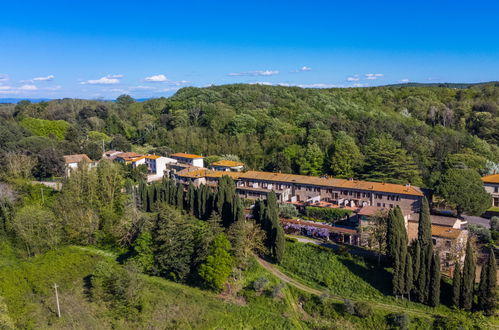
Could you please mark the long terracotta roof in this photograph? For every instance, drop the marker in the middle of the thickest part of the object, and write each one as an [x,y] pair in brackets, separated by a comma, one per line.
[183,155]
[494,178]
[227,163]
[333,182]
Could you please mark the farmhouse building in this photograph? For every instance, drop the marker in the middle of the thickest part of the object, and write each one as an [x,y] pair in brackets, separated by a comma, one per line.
[71,162]
[491,184]
[190,159]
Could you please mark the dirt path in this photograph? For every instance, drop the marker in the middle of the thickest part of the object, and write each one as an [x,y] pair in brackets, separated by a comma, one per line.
[286,278]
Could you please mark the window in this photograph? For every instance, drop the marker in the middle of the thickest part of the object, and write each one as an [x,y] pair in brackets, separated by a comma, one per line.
[434,241]
[378,204]
[496,189]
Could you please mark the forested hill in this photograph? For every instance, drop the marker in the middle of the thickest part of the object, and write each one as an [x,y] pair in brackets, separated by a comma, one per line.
[401,134]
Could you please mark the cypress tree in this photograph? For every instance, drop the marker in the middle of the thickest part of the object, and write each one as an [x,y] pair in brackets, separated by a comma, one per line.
[421,282]
[434,296]
[456,285]
[179,198]
[424,224]
[416,262]
[280,242]
[403,249]
[425,244]
[391,237]
[409,280]
[487,287]
[468,279]
[191,196]
[397,250]
[257,211]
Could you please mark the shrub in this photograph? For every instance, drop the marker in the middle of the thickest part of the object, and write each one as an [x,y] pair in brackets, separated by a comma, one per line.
[494,223]
[363,309]
[482,233]
[288,211]
[343,250]
[260,283]
[118,287]
[42,127]
[399,320]
[277,291]
[348,307]
[327,214]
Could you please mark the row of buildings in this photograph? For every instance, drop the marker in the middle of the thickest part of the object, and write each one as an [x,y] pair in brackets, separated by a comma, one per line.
[364,198]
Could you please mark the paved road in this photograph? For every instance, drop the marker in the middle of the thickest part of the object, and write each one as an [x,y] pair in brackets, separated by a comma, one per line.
[477,220]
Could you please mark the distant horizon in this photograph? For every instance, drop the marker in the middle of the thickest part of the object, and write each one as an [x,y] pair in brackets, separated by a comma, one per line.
[97,49]
[8,100]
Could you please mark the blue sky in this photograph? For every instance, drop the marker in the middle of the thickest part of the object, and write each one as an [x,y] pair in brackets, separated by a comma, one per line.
[101,49]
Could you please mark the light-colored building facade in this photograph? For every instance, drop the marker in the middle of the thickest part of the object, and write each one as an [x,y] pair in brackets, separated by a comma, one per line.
[491,184]
[72,162]
[340,192]
[190,159]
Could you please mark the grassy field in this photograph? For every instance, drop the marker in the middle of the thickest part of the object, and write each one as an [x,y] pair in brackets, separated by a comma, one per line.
[26,291]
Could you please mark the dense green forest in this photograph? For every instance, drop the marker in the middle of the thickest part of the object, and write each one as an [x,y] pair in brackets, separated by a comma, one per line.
[399,134]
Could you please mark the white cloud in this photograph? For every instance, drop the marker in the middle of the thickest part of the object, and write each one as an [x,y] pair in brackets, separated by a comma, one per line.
[16,90]
[256,73]
[136,88]
[156,78]
[54,88]
[28,88]
[404,80]
[107,80]
[4,77]
[359,85]
[47,78]
[354,78]
[305,68]
[373,76]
